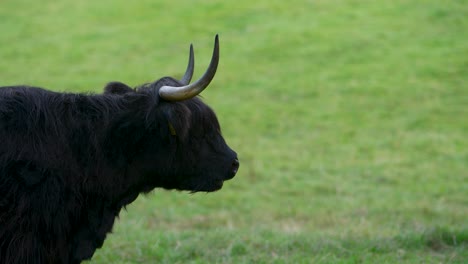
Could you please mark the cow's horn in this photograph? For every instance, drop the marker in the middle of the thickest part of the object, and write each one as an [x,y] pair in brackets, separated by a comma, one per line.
[189,71]
[185,92]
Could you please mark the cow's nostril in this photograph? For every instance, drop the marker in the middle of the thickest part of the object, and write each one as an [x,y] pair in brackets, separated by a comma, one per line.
[232,172]
[235,165]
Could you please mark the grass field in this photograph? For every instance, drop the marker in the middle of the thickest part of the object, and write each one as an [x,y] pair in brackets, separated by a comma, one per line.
[350,119]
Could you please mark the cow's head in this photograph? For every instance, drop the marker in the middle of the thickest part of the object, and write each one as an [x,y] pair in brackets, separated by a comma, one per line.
[170,138]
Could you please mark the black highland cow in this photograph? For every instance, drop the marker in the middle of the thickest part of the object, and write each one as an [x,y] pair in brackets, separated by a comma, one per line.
[70,162]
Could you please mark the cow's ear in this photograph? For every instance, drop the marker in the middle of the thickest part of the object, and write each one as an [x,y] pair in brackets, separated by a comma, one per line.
[124,138]
[117,88]
[178,116]
[126,130]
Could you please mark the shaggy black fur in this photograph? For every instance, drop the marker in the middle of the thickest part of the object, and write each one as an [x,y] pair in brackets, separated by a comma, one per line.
[70,162]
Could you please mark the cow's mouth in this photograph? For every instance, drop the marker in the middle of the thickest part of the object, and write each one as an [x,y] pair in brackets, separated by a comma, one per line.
[209,186]
[215,186]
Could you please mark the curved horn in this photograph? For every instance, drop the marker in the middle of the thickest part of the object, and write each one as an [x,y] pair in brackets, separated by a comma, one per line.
[189,71]
[172,93]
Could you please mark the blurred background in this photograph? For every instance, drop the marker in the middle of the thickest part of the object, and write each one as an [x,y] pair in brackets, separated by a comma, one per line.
[349,117]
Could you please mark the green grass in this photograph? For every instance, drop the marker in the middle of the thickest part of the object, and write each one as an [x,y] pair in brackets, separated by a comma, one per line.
[350,119]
